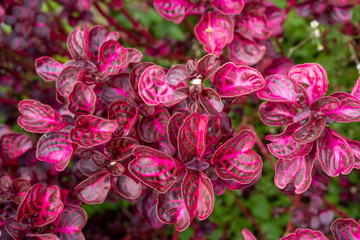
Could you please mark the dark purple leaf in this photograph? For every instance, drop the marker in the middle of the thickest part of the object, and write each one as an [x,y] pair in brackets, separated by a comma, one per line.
[67,79]
[94,189]
[304,234]
[211,101]
[87,165]
[207,65]
[154,168]
[177,75]
[98,35]
[48,69]
[234,81]
[171,208]
[335,155]
[283,146]
[39,118]
[82,100]
[40,206]
[75,44]
[349,109]
[345,229]
[13,145]
[125,114]
[20,187]
[245,52]
[15,229]
[91,131]
[214,31]
[313,77]
[277,113]
[153,128]
[120,148]
[147,206]
[112,58]
[127,187]
[174,125]
[55,148]
[235,160]
[198,194]
[191,137]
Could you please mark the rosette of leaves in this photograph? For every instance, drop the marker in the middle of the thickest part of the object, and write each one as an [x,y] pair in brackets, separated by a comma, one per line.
[297,101]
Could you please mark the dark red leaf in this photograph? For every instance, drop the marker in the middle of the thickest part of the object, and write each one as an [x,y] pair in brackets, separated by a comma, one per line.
[120,148]
[48,68]
[94,189]
[174,125]
[82,99]
[153,128]
[125,114]
[277,113]
[13,145]
[211,101]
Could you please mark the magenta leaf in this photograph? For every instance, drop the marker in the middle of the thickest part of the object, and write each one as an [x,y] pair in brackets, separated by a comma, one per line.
[349,109]
[97,35]
[335,155]
[252,26]
[177,74]
[207,65]
[112,58]
[48,69]
[136,73]
[174,125]
[94,189]
[279,88]
[171,208]
[248,235]
[234,81]
[13,145]
[302,234]
[355,148]
[310,131]
[277,113]
[134,55]
[39,118]
[154,168]
[173,10]
[246,52]
[191,137]
[69,224]
[345,229]
[153,128]
[20,187]
[4,129]
[44,236]
[125,114]
[155,90]
[229,7]
[312,76]
[127,187]
[235,160]
[297,169]
[67,79]
[55,148]
[86,164]
[82,100]
[91,131]
[40,206]
[5,188]
[283,146]
[214,31]
[118,89]
[147,206]
[211,101]
[75,44]
[120,148]
[15,229]
[356,90]
[198,194]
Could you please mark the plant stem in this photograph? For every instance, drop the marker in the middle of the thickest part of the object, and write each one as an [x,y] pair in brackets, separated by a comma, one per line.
[299,45]
[336,209]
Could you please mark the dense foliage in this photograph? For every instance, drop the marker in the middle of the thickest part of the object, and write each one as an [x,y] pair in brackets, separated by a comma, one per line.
[179,119]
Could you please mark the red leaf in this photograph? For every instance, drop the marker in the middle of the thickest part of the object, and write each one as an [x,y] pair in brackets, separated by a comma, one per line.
[48,69]
[82,100]
[94,189]
[153,128]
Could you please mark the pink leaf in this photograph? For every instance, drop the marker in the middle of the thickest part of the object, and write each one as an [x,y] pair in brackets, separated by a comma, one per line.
[97,35]
[94,189]
[245,52]
[349,109]
[41,205]
[356,90]
[125,114]
[313,77]
[211,101]
[279,88]
[55,148]
[69,224]
[248,235]
[283,146]
[67,79]
[91,131]
[310,131]
[355,148]
[345,229]
[39,118]
[75,44]
[48,68]
[335,155]
[177,75]
[174,125]
[305,234]
[82,100]
[191,137]
[155,90]
[173,10]
[297,169]
[198,194]
[120,148]
[214,31]
[229,7]
[13,145]
[153,128]
[147,206]
[112,58]
[154,168]
[234,81]
[134,55]
[171,208]
[277,113]
[235,160]
[20,187]
[127,187]
[252,26]
[118,89]
[207,65]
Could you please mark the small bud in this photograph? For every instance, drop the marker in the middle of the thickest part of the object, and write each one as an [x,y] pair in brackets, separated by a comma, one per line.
[317,33]
[196,81]
[320,47]
[314,24]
